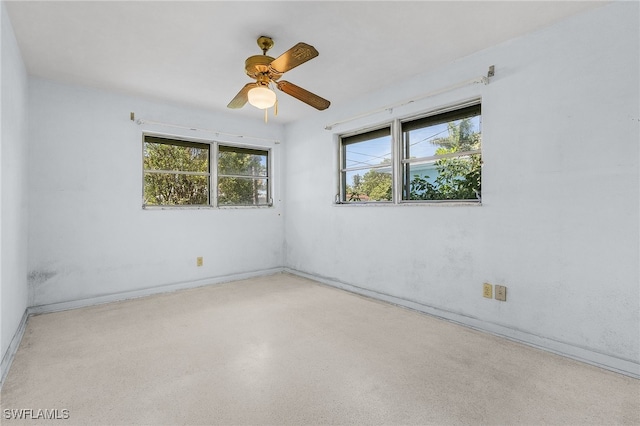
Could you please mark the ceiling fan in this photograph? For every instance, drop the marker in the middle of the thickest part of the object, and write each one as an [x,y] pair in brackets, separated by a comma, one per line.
[267,71]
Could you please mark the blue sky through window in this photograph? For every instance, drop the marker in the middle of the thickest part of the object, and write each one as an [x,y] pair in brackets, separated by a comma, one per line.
[368,153]
[421,140]
[375,151]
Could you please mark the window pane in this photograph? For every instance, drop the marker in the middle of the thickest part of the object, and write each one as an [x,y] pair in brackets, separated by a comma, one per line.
[175,189]
[252,163]
[164,156]
[368,185]
[242,191]
[370,152]
[452,177]
[442,138]
[456,178]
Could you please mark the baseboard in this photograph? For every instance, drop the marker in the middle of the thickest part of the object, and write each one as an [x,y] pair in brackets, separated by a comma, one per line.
[586,355]
[606,361]
[8,356]
[134,294]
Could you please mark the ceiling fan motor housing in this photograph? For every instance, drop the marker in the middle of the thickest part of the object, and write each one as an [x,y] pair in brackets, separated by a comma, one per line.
[258,65]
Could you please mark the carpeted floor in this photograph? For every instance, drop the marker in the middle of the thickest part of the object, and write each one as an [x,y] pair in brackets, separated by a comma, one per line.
[285,350]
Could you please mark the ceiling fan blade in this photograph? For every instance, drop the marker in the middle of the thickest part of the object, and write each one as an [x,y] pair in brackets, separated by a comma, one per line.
[303,95]
[242,97]
[297,55]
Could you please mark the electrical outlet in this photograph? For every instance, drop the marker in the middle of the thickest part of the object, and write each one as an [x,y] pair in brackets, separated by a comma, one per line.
[501,293]
[199,261]
[487,290]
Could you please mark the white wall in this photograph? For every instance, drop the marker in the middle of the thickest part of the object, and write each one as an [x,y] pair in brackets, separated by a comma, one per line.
[559,220]
[89,236]
[13,188]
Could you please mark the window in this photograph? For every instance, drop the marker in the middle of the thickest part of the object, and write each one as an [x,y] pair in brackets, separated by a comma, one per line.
[366,166]
[243,177]
[176,173]
[438,159]
[179,173]
[441,156]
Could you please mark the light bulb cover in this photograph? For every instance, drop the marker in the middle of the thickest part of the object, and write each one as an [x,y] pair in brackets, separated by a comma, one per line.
[262,97]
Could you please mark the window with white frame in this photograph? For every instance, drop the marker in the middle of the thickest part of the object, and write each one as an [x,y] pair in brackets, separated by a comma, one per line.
[433,158]
[184,173]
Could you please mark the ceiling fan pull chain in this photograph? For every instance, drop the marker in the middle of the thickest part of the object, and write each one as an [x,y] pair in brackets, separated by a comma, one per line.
[266,116]
[275,109]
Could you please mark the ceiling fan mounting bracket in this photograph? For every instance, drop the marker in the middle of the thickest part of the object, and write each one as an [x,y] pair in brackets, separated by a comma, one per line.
[265,43]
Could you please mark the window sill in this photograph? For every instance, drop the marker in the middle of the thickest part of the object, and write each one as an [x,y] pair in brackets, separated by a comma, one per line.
[203,207]
[443,203]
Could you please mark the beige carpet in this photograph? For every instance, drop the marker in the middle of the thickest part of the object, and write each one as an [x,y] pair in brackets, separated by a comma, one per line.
[285,350]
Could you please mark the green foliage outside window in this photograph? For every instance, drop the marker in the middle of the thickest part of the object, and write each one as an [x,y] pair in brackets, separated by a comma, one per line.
[373,186]
[458,177]
[161,187]
[178,173]
[242,178]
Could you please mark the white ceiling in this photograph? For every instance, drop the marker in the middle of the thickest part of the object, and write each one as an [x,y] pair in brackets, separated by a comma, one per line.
[193,52]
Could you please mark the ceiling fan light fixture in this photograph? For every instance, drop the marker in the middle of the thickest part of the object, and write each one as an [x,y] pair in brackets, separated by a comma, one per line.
[262,97]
